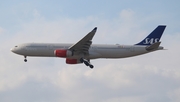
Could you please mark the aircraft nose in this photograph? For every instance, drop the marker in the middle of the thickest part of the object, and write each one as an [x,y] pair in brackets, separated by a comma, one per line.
[12,49]
[15,49]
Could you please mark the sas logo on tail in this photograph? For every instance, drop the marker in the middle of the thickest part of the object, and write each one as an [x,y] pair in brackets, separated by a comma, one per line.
[151,40]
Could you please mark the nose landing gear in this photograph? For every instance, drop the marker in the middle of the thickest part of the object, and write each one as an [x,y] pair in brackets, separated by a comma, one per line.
[25,60]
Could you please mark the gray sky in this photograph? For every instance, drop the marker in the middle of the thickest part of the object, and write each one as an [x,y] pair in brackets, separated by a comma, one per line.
[154,77]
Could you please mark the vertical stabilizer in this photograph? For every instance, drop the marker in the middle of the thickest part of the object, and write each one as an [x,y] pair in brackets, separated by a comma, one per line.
[154,36]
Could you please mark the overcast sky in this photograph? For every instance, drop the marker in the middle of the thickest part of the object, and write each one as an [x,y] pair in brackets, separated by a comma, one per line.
[154,77]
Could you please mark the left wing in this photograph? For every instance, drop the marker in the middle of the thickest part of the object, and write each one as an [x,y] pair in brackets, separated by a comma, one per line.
[84,44]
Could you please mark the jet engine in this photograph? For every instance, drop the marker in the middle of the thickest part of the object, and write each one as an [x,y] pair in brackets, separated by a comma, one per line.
[63,53]
[72,61]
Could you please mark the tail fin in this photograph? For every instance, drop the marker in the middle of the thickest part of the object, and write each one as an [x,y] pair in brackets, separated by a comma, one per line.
[154,36]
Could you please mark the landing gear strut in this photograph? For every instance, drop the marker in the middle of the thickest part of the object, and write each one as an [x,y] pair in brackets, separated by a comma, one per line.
[25,60]
[87,63]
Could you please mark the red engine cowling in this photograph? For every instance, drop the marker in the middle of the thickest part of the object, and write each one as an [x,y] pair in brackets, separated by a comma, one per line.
[63,53]
[72,61]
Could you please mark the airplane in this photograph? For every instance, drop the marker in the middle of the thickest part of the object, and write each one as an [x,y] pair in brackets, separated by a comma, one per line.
[83,51]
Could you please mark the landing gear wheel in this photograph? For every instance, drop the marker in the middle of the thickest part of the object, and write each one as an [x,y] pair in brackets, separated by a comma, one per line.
[86,62]
[25,60]
[91,66]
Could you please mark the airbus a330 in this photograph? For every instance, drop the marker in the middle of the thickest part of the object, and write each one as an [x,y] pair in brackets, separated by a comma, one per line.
[83,51]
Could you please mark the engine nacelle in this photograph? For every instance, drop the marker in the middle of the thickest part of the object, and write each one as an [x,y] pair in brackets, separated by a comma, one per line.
[72,61]
[63,53]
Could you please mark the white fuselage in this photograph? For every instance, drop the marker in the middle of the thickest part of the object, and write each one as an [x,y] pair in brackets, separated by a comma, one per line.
[95,51]
[83,50]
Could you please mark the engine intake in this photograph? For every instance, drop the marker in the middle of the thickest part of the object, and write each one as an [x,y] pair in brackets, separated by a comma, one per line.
[63,53]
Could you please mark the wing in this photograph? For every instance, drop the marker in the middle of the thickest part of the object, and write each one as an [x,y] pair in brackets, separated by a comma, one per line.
[84,44]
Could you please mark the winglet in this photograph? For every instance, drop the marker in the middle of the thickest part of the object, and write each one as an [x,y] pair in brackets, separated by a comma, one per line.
[154,36]
[95,28]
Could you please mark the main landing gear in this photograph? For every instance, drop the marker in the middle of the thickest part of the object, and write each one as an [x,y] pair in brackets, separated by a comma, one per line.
[87,63]
[25,60]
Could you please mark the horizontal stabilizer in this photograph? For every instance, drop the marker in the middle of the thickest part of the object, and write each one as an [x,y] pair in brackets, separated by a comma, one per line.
[153,46]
